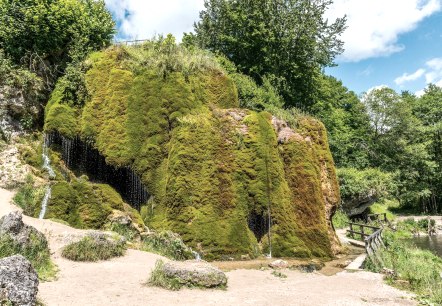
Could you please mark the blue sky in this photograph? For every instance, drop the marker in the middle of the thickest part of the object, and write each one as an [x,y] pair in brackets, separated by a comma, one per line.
[397,43]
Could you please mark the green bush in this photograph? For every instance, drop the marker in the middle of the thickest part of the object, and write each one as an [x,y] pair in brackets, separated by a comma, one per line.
[423,223]
[89,249]
[340,219]
[29,197]
[364,186]
[167,244]
[37,252]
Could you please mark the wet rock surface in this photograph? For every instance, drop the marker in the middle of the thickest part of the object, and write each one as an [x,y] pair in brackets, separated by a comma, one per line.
[18,281]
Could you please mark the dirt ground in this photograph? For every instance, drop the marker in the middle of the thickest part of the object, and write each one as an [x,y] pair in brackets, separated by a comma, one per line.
[121,281]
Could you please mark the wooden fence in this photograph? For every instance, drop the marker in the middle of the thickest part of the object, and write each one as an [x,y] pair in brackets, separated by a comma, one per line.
[370,235]
[377,217]
[130,42]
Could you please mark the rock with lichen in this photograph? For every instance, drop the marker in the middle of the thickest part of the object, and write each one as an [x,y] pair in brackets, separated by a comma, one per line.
[195,273]
[18,281]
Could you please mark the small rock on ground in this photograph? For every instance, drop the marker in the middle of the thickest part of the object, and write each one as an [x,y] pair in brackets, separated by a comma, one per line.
[279,264]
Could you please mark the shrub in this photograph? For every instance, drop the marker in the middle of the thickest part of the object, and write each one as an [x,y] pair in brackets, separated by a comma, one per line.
[167,244]
[420,269]
[29,197]
[93,248]
[340,219]
[36,251]
[364,186]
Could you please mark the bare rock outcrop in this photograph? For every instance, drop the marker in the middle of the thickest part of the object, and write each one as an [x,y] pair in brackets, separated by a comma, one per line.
[13,171]
[18,281]
[13,226]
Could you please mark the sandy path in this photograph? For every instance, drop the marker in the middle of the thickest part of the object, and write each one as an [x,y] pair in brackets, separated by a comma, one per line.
[120,281]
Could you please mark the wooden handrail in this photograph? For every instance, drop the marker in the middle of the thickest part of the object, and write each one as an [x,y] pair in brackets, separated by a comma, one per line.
[364,225]
[131,42]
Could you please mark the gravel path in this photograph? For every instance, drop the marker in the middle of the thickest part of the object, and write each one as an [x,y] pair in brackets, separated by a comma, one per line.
[121,281]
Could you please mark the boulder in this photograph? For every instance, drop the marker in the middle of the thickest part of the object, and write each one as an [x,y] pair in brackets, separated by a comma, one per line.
[194,273]
[279,264]
[13,171]
[12,225]
[18,281]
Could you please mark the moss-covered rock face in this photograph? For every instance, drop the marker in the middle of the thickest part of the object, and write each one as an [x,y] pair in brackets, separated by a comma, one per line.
[230,181]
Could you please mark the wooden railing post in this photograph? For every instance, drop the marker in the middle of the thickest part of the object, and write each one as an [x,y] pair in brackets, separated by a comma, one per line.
[351,229]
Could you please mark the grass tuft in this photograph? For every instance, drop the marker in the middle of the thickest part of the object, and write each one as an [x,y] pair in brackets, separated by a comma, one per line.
[167,244]
[37,252]
[279,274]
[89,249]
[159,279]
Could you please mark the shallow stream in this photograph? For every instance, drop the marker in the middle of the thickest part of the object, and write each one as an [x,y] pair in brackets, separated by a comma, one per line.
[432,243]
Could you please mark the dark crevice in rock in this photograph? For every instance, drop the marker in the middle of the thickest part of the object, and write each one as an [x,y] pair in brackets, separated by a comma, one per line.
[83,157]
[258,224]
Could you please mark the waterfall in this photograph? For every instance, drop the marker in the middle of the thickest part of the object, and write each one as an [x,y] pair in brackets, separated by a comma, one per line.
[197,255]
[47,140]
[44,203]
[46,160]
[82,156]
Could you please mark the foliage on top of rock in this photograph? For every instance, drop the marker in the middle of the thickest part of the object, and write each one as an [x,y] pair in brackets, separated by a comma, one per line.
[362,188]
[95,246]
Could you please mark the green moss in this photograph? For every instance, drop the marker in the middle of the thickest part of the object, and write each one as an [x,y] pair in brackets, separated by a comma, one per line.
[85,205]
[209,168]
[60,115]
[64,204]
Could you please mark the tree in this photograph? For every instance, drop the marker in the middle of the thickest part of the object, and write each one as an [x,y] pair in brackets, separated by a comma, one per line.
[428,109]
[42,34]
[286,41]
[346,120]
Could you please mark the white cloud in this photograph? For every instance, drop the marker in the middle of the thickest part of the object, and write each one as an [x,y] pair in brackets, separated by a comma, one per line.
[142,19]
[374,26]
[434,75]
[376,87]
[409,77]
[432,71]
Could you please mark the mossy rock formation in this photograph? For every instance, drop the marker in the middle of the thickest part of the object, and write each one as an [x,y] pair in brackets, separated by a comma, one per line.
[213,171]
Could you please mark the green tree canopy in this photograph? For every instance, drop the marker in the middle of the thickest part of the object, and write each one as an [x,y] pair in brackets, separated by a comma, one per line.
[286,41]
[42,33]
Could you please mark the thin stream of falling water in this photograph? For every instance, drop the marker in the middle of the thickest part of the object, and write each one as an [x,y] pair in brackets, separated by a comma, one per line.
[47,166]
[44,203]
[197,255]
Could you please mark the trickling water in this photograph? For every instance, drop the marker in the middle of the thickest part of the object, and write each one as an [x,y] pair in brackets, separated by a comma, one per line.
[46,160]
[197,256]
[81,156]
[44,203]
[47,166]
